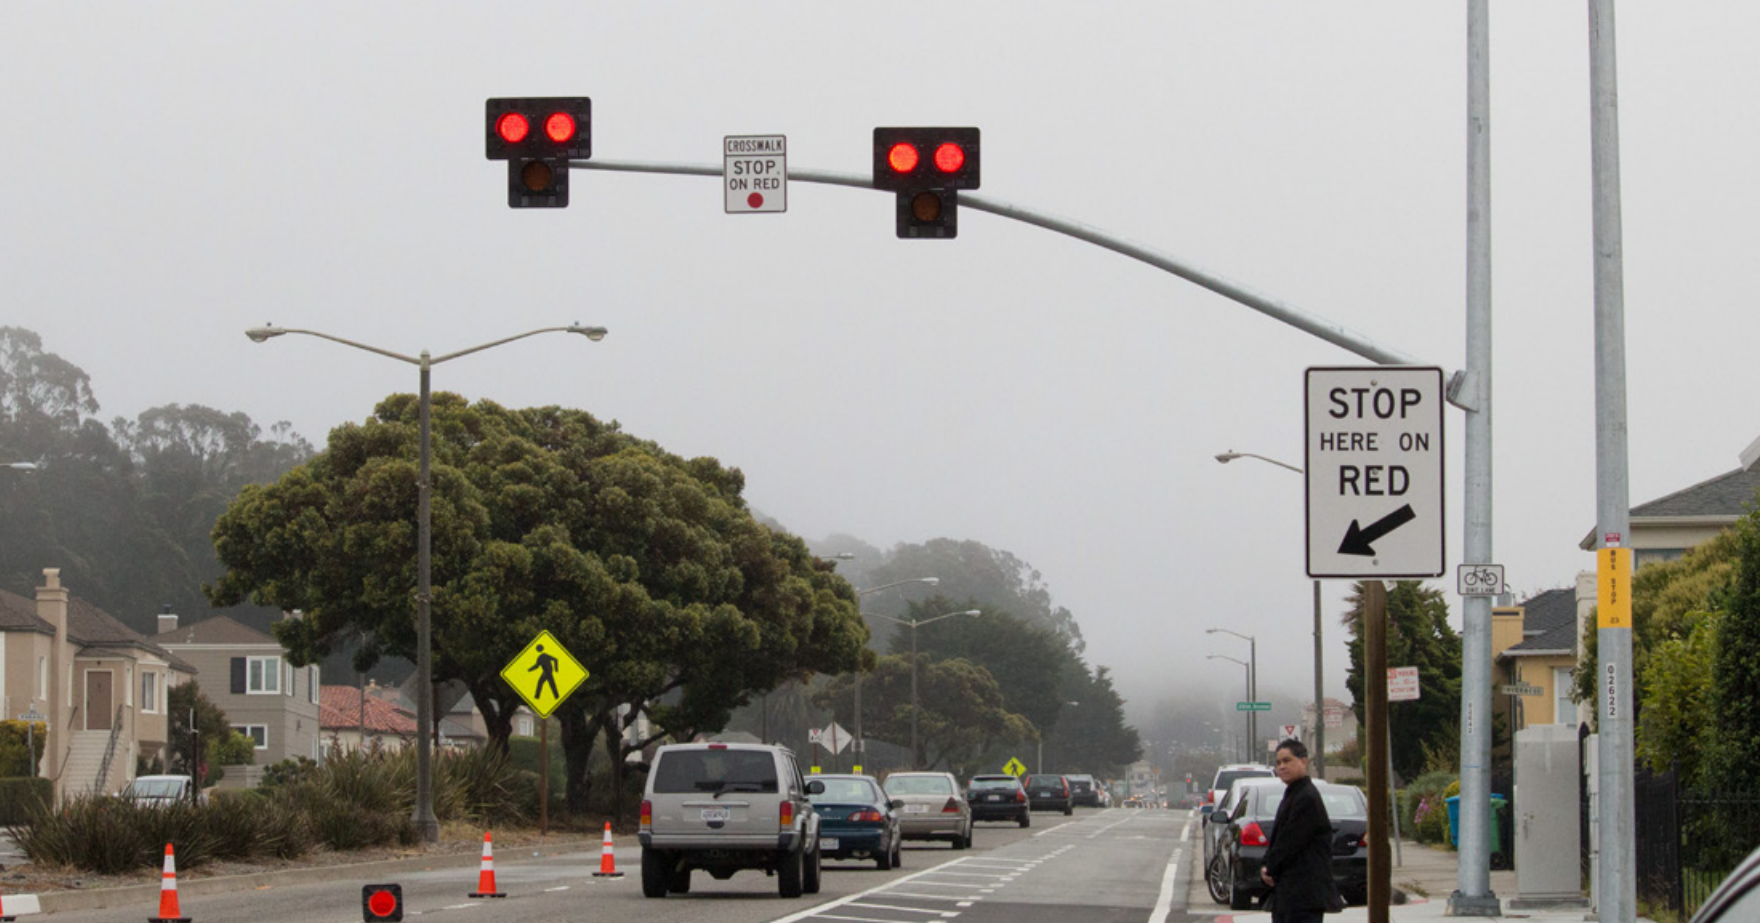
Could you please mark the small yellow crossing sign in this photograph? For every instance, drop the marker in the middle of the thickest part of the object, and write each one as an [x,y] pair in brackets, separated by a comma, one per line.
[1015,767]
[544,674]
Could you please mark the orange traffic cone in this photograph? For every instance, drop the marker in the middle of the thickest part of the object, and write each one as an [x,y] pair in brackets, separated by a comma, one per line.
[607,860]
[168,912]
[486,877]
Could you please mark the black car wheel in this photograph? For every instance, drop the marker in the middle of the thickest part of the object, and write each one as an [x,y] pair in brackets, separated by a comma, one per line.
[883,859]
[789,873]
[680,882]
[1213,880]
[1026,819]
[1068,809]
[812,870]
[655,872]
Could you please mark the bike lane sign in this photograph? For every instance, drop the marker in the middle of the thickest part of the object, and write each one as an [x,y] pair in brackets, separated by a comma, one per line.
[544,674]
[1479,579]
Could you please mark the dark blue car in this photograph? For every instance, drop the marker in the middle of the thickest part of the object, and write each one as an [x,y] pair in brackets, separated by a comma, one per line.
[857,820]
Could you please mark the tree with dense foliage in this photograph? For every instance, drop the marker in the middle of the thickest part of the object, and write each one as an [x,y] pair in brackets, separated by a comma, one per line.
[1090,734]
[645,565]
[212,734]
[125,512]
[972,570]
[963,719]
[1420,733]
[1735,671]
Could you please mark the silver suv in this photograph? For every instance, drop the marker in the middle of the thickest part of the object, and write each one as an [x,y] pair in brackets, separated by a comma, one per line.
[723,807]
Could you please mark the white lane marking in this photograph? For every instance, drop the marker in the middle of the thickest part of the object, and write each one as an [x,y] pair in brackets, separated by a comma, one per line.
[852,898]
[964,885]
[833,916]
[974,863]
[1164,903]
[926,897]
[1109,827]
[965,904]
[460,906]
[1001,873]
[563,888]
[939,913]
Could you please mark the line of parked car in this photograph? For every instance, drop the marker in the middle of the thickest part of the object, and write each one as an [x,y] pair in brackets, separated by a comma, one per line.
[1240,813]
[724,807]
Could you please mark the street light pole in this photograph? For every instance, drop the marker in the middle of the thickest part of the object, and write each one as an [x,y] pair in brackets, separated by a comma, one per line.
[916,760]
[862,742]
[1252,687]
[426,823]
[1319,749]
[1249,676]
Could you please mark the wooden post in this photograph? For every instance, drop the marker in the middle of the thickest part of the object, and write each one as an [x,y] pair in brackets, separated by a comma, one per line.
[1375,683]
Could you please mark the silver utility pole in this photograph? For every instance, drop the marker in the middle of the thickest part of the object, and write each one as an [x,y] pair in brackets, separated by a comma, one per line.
[1473,896]
[1616,897]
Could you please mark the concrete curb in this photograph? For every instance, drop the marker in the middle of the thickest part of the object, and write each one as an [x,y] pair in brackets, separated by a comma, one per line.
[148,895]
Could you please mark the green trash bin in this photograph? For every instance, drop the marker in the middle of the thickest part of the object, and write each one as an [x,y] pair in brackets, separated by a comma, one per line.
[1500,858]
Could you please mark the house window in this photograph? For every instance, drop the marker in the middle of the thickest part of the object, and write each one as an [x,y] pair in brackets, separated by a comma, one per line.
[1564,710]
[149,691]
[258,733]
[288,671]
[263,675]
[522,725]
[314,685]
[43,678]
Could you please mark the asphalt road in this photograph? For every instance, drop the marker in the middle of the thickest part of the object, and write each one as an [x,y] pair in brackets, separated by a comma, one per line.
[1099,866]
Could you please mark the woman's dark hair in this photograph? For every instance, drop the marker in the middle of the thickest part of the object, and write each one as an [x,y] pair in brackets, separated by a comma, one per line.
[1295,747]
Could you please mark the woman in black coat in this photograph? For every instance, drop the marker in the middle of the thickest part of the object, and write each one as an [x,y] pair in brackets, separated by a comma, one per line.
[1298,863]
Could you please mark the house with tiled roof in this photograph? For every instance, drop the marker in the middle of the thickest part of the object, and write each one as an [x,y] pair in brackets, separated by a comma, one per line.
[246,673]
[100,686]
[1664,528]
[1534,644]
[354,718]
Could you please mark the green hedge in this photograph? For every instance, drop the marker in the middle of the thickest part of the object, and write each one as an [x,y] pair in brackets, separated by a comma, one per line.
[19,796]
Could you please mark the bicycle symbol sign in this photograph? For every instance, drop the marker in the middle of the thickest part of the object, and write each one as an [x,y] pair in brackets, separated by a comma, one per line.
[1480,579]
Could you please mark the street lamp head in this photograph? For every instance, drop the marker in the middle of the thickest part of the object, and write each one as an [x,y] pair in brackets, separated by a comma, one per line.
[1228,456]
[931,581]
[592,333]
[22,466]
[973,612]
[259,334]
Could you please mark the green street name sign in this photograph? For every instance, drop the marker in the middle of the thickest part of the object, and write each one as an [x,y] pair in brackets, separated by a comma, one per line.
[1252,706]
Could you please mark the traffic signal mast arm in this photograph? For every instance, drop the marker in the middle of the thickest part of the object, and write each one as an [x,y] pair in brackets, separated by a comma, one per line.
[1336,334]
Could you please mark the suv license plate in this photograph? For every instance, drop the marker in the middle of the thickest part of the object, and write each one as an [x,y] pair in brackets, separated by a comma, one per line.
[916,809]
[717,814]
[826,842]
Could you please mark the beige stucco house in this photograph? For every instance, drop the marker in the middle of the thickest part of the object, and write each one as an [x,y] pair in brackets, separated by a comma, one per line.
[101,686]
[246,673]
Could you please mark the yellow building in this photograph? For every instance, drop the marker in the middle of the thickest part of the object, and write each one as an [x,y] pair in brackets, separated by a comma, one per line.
[1535,644]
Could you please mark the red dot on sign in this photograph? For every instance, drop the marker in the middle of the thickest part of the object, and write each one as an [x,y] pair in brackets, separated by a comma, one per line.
[755,200]
[382,903]
[512,127]
[559,126]
[949,158]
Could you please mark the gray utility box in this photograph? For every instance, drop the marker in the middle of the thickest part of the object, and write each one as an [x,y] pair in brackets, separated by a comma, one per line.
[1548,869]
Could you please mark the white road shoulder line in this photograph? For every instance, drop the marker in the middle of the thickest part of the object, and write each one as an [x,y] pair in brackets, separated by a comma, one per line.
[936,913]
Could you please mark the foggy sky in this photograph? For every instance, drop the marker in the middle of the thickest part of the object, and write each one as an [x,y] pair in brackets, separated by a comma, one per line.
[173,173]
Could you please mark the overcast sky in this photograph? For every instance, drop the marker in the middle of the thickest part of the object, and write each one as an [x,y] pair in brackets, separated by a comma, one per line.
[172,173]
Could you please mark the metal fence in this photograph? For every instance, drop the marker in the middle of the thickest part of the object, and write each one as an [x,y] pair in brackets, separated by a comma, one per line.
[1689,841]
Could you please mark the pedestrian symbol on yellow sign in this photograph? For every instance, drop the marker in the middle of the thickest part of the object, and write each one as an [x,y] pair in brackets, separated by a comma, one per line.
[1014,767]
[557,674]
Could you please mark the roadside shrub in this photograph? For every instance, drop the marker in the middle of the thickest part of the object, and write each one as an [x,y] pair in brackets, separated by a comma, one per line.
[1424,807]
[21,746]
[19,798]
[288,772]
[484,785]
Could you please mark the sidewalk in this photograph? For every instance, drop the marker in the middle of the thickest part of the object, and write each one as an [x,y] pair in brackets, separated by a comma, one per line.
[1428,876]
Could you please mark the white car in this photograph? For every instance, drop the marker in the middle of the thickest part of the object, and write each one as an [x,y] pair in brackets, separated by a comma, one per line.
[158,791]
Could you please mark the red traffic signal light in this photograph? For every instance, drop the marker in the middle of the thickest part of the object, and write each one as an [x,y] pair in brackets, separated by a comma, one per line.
[382,903]
[927,186]
[537,161]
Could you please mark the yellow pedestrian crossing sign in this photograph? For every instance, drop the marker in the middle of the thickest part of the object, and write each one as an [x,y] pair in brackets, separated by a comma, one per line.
[1014,767]
[544,674]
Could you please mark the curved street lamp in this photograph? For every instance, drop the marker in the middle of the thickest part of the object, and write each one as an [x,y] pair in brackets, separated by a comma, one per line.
[1252,684]
[914,623]
[426,823]
[1319,751]
[1248,668]
[861,742]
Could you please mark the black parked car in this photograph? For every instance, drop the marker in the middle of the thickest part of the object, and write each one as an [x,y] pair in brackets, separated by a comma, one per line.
[998,798]
[1049,793]
[1083,790]
[1244,841]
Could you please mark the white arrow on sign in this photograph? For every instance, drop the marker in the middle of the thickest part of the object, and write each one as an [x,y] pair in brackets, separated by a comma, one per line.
[1374,457]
